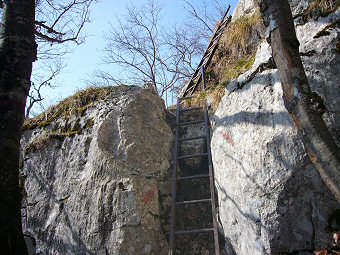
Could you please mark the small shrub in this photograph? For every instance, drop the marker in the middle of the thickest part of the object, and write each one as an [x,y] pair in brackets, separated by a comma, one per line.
[89,123]
[198,100]
[325,31]
[44,124]
[237,48]
[213,94]
[37,144]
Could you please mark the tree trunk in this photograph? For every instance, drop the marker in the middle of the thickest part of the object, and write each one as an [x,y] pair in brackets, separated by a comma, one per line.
[305,106]
[17,52]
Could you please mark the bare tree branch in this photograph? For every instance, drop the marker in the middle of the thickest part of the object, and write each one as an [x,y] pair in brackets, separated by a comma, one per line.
[203,17]
[58,26]
[136,45]
[41,82]
[64,22]
[194,13]
[165,57]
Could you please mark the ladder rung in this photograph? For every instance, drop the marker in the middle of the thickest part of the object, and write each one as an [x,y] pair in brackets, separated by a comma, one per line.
[191,123]
[206,60]
[192,138]
[193,201]
[197,75]
[191,109]
[186,98]
[225,23]
[213,43]
[193,231]
[222,27]
[192,177]
[193,156]
[208,54]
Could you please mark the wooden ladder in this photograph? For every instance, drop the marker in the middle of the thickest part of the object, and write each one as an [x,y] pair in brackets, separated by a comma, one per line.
[196,78]
[176,232]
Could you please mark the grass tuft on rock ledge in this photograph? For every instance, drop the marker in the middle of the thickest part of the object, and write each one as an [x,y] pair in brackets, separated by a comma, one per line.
[235,54]
[237,68]
[240,32]
[75,105]
[320,8]
[212,94]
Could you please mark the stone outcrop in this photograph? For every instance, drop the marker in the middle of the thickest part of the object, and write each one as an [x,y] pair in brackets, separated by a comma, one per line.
[244,7]
[96,180]
[102,189]
[271,198]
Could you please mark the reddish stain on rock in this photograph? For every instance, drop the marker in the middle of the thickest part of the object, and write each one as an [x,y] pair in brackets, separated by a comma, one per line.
[228,138]
[149,195]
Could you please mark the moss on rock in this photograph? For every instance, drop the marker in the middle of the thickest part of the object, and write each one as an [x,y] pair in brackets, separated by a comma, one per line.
[75,105]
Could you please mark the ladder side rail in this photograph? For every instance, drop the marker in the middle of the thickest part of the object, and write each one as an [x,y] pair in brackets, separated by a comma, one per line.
[204,83]
[174,184]
[226,13]
[221,23]
[194,88]
[207,59]
[196,74]
[201,65]
[212,185]
[216,37]
[210,46]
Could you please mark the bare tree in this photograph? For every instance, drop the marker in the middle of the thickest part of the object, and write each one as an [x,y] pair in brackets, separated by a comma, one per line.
[58,26]
[185,48]
[35,96]
[189,40]
[305,107]
[203,17]
[18,50]
[151,53]
[15,71]
[136,44]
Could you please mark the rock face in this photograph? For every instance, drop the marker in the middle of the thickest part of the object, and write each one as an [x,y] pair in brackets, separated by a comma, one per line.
[244,7]
[99,191]
[271,198]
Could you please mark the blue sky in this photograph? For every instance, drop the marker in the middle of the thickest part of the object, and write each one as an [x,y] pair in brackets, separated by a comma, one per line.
[86,58]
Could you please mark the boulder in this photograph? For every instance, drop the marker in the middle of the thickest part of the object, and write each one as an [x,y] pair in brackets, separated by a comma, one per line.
[99,190]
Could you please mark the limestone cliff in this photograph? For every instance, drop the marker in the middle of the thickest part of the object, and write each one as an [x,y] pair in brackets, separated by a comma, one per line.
[271,198]
[95,170]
